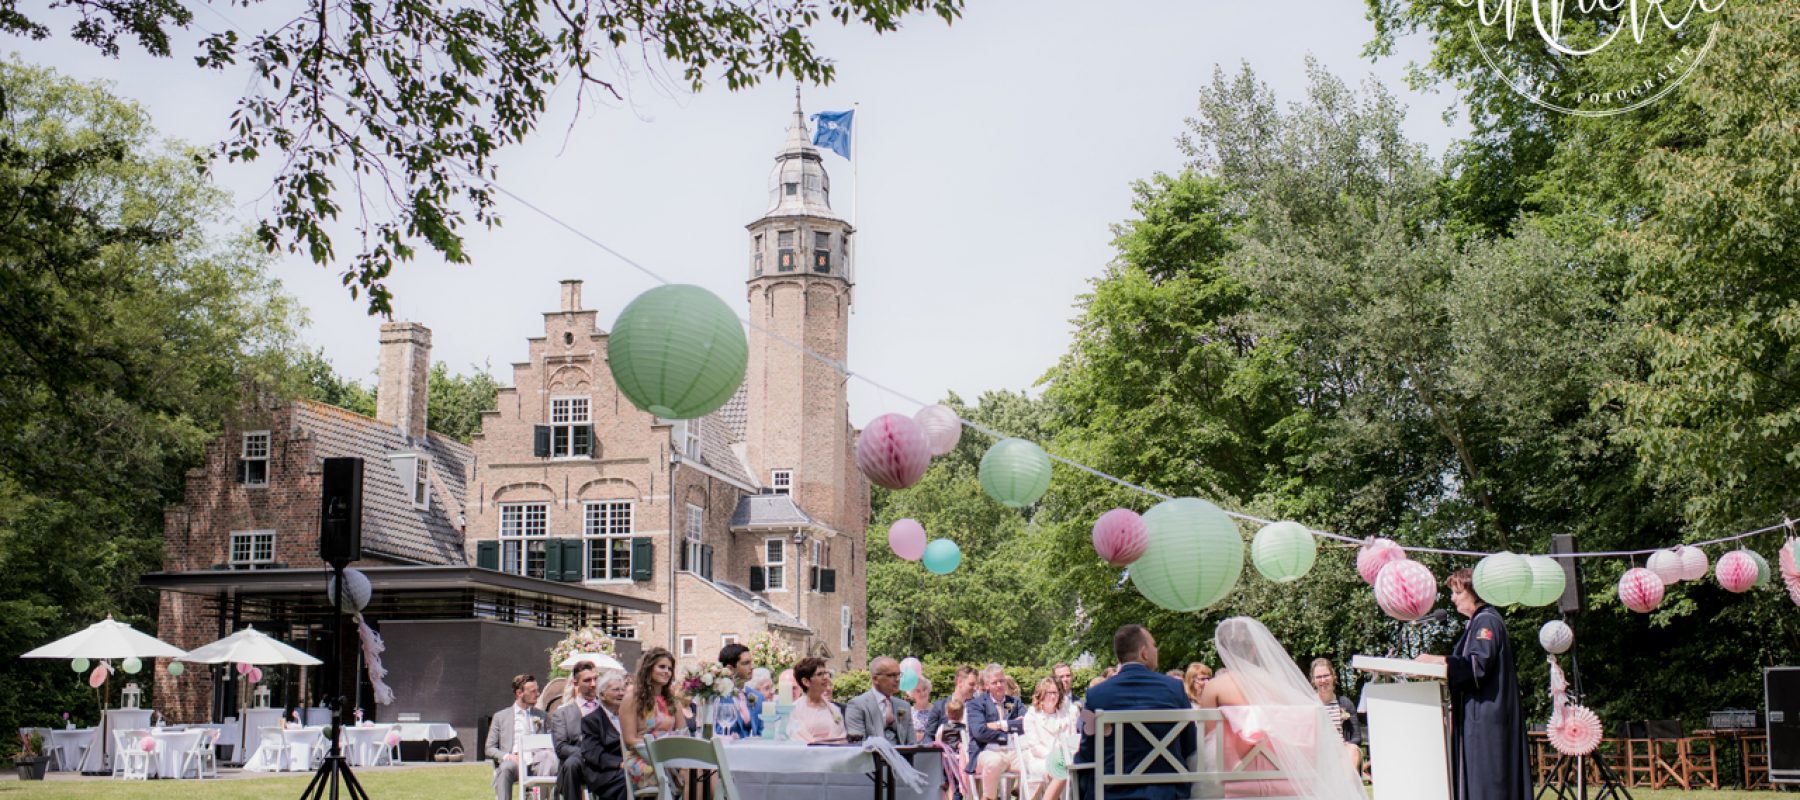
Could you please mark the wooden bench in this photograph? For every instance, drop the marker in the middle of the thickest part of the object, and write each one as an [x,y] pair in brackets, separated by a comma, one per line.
[1163,730]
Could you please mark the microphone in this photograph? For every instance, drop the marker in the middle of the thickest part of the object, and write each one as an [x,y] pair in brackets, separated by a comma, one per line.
[1435,616]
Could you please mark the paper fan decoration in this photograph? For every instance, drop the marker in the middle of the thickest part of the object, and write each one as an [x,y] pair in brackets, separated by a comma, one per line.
[1375,555]
[1574,732]
[1793,586]
[1787,559]
[1405,590]
[1642,591]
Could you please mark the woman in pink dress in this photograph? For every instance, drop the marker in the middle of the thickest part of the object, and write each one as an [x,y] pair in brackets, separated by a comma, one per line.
[1273,719]
[815,718]
[650,708]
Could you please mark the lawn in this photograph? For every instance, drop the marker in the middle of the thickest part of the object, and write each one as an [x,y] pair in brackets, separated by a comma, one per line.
[423,783]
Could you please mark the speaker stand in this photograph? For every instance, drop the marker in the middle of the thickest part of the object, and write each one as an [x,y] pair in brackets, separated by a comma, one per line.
[1611,788]
[334,771]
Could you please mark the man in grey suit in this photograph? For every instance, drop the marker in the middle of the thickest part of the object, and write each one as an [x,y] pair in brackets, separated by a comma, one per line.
[510,724]
[880,711]
[565,728]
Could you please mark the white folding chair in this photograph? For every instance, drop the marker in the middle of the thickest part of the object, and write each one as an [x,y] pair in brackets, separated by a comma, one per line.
[125,742]
[524,747]
[391,751]
[134,760]
[201,756]
[270,752]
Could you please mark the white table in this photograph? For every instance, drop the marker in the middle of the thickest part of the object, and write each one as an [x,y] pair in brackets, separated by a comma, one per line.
[100,758]
[362,744]
[254,719]
[295,754]
[768,770]
[426,732]
[68,744]
[172,746]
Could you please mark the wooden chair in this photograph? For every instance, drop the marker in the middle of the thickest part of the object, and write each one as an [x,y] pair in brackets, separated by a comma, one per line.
[1700,761]
[1756,760]
[1665,740]
[1636,762]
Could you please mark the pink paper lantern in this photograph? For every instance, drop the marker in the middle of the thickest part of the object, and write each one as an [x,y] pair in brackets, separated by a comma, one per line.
[906,537]
[1693,562]
[243,669]
[893,452]
[1787,559]
[941,426]
[1120,537]
[1375,555]
[1667,566]
[98,677]
[1736,571]
[1405,590]
[392,739]
[147,744]
[1640,590]
[255,675]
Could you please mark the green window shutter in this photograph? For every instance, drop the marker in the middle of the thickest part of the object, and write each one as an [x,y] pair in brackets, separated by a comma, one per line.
[540,441]
[758,582]
[574,560]
[584,440]
[706,553]
[553,561]
[828,581]
[643,558]
[487,554]
[243,471]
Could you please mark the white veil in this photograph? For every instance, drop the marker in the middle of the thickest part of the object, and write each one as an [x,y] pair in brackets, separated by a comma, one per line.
[1313,759]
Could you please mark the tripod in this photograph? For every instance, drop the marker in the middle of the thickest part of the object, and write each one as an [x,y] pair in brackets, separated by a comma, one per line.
[1610,786]
[334,768]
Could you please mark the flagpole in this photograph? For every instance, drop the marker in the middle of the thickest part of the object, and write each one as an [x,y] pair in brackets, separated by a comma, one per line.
[855,160]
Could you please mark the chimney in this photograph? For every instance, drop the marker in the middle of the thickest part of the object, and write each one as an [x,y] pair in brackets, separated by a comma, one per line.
[571,295]
[405,372]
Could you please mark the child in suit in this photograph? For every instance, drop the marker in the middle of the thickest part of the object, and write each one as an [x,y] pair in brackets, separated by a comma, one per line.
[954,736]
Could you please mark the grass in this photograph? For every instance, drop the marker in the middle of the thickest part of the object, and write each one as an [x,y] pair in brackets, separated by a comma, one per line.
[405,783]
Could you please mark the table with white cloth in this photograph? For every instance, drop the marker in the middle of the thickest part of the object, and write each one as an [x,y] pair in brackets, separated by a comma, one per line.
[254,719]
[362,744]
[100,754]
[172,747]
[68,744]
[295,754]
[426,732]
[763,769]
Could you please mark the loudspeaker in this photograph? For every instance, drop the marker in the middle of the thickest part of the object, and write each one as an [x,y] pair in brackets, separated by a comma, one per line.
[340,511]
[1570,601]
[1781,693]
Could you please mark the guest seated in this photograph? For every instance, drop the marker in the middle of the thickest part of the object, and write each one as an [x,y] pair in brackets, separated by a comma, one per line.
[1135,686]
[963,690]
[920,696]
[602,749]
[1049,735]
[565,727]
[510,726]
[1194,680]
[954,736]
[880,711]
[1339,710]
[652,708]
[746,701]
[995,717]
[1260,677]
[815,718]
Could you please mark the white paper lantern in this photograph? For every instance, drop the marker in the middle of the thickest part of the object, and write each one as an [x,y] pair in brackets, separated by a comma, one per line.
[1556,637]
[1693,562]
[942,428]
[357,598]
[1667,566]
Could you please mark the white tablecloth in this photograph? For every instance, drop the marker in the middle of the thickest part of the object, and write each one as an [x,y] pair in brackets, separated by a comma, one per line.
[769,770]
[68,744]
[117,719]
[426,732]
[254,719]
[172,747]
[362,745]
[295,755]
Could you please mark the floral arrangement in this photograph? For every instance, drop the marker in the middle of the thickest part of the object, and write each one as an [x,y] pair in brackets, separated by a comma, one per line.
[31,745]
[708,682]
[579,640]
[772,653]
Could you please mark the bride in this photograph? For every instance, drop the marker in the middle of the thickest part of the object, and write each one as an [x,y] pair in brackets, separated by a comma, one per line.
[1264,698]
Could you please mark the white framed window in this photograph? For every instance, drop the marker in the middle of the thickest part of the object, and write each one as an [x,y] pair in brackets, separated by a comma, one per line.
[253,459]
[696,519]
[625,633]
[781,480]
[687,646]
[252,549]
[523,530]
[775,564]
[421,493]
[571,431]
[606,525]
[727,638]
[849,633]
[690,445]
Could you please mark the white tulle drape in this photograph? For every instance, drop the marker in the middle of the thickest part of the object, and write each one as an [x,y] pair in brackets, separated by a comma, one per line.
[1313,757]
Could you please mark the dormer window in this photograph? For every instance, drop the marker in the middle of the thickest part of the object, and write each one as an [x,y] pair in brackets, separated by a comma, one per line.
[421,494]
[782,481]
[690,446]
[253,459]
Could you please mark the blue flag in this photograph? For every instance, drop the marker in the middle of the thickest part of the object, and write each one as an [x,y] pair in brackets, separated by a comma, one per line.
[832,131]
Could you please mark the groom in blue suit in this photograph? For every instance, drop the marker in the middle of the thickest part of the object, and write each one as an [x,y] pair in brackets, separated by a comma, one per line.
[1137,687]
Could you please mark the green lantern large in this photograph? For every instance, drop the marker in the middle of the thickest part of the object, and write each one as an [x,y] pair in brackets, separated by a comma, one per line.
[1015,472]
[1503,578]
[1283,551]
[1547,581]
[678,352]
[1194,557]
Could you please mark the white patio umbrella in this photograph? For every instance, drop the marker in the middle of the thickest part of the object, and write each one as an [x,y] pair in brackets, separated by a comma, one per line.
[602,661]
[249,646]
[104,640]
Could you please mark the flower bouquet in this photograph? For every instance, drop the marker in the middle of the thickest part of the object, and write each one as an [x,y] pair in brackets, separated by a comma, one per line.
[708,682]
[579,640]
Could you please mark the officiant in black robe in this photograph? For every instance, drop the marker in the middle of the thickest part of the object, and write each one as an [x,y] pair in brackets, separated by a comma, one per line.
[1487,743]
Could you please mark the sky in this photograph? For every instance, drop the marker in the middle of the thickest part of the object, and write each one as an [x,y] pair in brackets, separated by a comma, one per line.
[996,155]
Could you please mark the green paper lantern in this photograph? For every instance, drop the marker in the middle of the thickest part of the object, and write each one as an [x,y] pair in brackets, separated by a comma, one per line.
[942,556]
[1283,551]
[1015,472]
[131,665]
[678,352]
[1194,557]
[80,665]
[1502,579]
[1763,577]
[176,668]
[1547,581]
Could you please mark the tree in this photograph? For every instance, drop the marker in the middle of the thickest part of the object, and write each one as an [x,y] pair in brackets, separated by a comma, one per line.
[404,105]
[128,333]
[454,404]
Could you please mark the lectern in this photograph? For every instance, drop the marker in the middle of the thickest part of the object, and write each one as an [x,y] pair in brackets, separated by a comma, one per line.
[1409,740]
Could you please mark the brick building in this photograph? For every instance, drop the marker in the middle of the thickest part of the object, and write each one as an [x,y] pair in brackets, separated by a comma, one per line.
[747,521]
